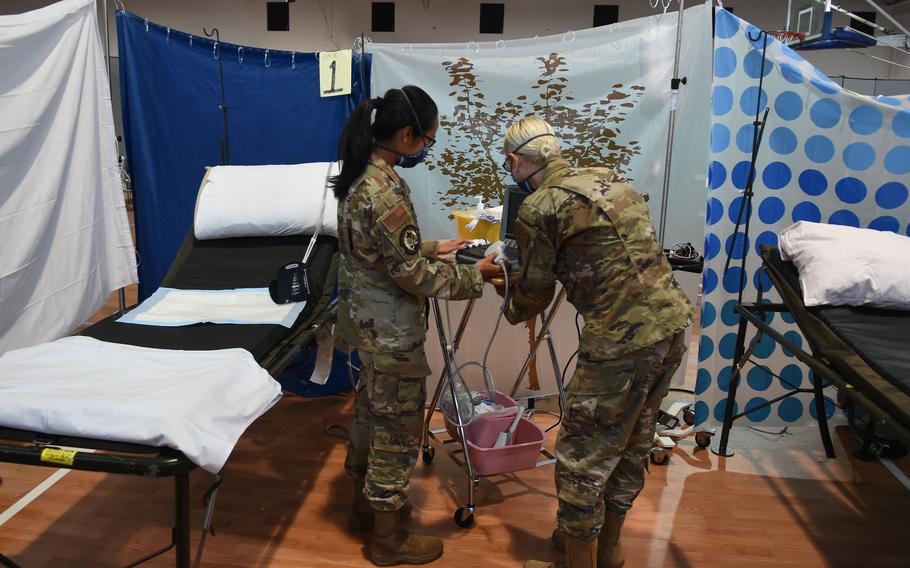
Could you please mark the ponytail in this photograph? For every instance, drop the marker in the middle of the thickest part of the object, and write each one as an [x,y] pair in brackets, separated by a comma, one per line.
[354,148]
[408,107]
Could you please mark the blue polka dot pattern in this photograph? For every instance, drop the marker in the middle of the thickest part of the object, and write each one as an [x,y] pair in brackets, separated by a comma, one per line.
[732,282]
[776,175]
[813,182]
[885,223]
[806,211]
[897,161]
[829,408]
[865,119]
[702,412]
[796,338]
[705,347]
[722,100]
[727,346]
[733,212]
[790,409]
[715,211]
[850,190]
[724,62]
[740,174]
[759,379]
[762,282]
[749,98]
[788,105]
[824,84]
[726,24]
[787,317]
[708,314]
[728,314]
[819,149]
[771,210]
[859,156]
[844,217]
[708,281]
[888,100]
[752,65]
[790,72]
[723,378]
[783,141]
[717,175]
[766,238]
[900,124]
[745,137]
[791,377]
[825,113]
[702,381]
[720,138]
[712,246]
[736,246]
[757,416]
[764,348]
[720,409]
[891,195]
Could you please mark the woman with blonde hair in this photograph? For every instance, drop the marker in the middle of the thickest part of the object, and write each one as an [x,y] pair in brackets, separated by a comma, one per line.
[590,229]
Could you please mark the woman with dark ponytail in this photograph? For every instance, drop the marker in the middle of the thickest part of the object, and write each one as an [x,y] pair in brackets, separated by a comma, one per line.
[386,272]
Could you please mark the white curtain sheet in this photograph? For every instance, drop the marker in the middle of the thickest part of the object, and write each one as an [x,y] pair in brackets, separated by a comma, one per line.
[605,90]
[64,231]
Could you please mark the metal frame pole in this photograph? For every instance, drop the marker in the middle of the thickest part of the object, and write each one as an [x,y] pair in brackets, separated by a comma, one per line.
[674,88]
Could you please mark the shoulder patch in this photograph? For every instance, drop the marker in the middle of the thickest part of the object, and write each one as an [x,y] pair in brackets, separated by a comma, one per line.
[410,239]
[395,218]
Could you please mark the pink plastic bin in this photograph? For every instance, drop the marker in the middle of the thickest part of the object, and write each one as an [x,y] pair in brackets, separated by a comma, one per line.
[521,454]
[501,400]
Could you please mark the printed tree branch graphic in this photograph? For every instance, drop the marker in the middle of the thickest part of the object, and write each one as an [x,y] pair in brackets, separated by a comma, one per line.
[590,132]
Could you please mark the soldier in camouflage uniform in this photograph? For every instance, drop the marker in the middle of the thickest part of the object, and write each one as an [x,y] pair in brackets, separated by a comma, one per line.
[589,229]
[386,274]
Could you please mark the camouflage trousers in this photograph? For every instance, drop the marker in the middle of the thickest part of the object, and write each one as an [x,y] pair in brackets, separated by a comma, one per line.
[388,423]
[607,432]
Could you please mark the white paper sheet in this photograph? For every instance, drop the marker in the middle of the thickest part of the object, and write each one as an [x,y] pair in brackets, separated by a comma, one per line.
[171,307]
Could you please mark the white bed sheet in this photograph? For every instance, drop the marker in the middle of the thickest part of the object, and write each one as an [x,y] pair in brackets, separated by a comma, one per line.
[197,402]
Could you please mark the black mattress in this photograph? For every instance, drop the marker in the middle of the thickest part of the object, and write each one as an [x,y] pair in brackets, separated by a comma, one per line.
[880,337]
[220,265]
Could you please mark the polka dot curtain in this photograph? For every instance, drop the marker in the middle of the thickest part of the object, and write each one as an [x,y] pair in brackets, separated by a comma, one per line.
[828,155]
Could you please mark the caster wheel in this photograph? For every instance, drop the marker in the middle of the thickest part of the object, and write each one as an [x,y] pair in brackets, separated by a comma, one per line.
[428,454]
[659,457]
[689,416]
[703,439]
[464,517]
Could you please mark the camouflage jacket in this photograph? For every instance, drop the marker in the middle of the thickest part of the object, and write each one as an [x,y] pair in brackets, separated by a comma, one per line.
[590,229]
[385,273]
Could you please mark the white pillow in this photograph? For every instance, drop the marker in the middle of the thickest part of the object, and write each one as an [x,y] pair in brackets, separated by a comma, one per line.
[265,201]
[845,266]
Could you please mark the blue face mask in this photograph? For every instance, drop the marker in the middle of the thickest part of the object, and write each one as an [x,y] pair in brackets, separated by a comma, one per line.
[406,161]
[525,184]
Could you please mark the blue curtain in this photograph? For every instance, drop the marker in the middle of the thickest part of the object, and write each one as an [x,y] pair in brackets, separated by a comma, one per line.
[173,126]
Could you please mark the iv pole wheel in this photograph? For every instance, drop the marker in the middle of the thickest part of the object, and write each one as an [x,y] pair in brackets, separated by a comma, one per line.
[428,454]
[689,416]
[464,517]
[703,439]
[659,456]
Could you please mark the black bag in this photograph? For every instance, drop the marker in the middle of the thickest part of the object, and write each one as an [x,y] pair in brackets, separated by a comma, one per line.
[290,284]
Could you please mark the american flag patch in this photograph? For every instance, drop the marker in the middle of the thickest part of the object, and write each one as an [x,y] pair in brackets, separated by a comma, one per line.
[395,219]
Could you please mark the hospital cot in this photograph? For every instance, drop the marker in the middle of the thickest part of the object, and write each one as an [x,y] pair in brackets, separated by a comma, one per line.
[202,265]
[862,351]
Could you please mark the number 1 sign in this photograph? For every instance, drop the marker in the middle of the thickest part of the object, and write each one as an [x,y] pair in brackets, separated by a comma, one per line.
[335,73]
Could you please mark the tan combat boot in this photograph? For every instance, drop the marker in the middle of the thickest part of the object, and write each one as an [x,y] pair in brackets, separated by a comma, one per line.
[609,549]
[579,554]
[393,545]
[361,512]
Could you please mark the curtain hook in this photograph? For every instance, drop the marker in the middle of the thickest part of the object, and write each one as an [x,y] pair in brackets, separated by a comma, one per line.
[146,24]
[293,63]
[191,41]
[266,60]
[240,53]
[168,38]
[215,54]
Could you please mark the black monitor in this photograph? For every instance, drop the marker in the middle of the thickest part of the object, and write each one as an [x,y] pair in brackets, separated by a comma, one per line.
[511,202]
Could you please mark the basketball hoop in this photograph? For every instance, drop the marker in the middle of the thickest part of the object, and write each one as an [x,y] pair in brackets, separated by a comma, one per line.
[788,38]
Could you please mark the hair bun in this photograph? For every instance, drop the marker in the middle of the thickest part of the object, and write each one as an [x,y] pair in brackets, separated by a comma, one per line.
[377,102]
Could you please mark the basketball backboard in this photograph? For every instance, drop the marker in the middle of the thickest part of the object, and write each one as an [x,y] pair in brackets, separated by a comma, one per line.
[807,17]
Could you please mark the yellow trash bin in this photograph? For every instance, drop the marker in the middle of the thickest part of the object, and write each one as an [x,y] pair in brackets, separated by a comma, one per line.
[488,230]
